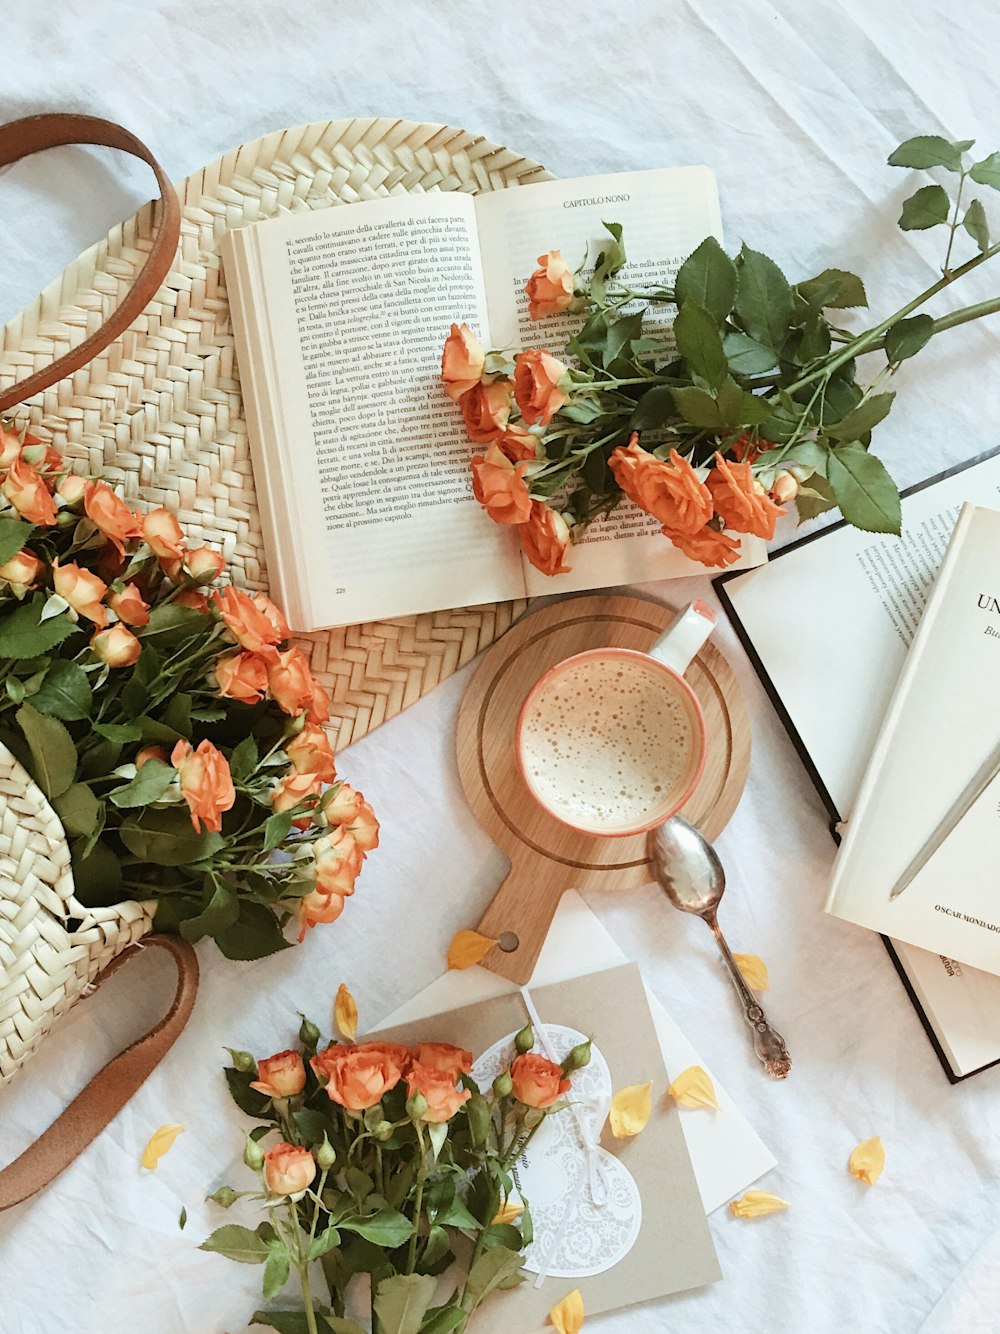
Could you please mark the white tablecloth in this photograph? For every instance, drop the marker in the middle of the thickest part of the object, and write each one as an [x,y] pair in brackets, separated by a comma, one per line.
[796,107]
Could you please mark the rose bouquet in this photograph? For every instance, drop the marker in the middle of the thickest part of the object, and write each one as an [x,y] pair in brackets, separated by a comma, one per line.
[390,1166]
[177,735]
[756,406]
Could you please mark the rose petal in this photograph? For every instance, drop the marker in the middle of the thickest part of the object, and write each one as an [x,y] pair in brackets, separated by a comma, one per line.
[345,1013]
[754,971]
[508,1211]
[757,1203]
[567,1315]
[694,1088]
[160,1142]
[631,1109]
[867,1160]
[467,948]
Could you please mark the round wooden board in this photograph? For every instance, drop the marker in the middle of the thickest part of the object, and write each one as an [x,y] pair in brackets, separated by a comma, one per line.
[546,856]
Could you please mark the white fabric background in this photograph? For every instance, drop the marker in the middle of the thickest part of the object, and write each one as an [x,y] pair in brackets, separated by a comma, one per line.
[796,107]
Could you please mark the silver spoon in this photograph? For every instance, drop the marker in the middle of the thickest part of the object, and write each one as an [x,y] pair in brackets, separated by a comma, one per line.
[688,870]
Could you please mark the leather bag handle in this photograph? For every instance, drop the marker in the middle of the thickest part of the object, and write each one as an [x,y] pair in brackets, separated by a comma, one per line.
[111,1088]
[21,138]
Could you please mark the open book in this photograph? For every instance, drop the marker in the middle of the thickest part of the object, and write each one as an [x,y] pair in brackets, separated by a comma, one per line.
[361,461]
[833,684]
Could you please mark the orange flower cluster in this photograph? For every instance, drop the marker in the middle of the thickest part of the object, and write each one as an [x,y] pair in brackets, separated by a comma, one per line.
[359,1077]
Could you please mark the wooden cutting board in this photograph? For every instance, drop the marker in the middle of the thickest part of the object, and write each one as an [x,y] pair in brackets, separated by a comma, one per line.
[546,856]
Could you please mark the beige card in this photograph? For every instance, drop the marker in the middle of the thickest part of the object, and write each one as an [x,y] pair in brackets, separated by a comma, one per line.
[626,1223]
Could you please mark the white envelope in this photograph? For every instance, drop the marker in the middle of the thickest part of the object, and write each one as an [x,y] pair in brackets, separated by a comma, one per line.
[726,1152]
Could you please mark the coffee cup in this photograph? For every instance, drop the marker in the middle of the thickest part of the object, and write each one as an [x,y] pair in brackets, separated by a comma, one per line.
[612,741]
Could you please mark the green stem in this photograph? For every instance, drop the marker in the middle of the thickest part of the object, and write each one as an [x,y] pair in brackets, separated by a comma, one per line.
[411,1257]
[953,226]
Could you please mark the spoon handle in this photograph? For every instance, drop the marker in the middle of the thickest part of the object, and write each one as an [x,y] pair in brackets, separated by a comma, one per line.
[767,1041]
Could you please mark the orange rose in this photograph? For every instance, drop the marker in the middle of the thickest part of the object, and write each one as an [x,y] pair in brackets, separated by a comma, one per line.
[280,1076]
[709,546]
[162,534]
[10,447]
[317,909]
[358,1077]
[190,597]
[364,828]
[539,381]
[289,681]
[443,1058]
[671,492]
[148,753]
[291,791]
[319,706]
[461,362]
[537,1081]
[518,443]
[249,623]
[486,411]
[82,590]
[545,539]
[741,500]
[499,487]
[24,568]
[117,647]
[111,515]
[241,676]
[311,753]
[274,615]
[341,804]
[550,287]
[72,488]
[440,1093]
[29,495]
[337,859]
[746,448]
[289,1170]
[128,605]
[41,456]
[204,564]
[206,783]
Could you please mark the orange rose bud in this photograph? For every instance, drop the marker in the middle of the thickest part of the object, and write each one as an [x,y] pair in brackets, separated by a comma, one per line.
[499,487]
[486,411]
[337,860]
[462,361]
[444,1059]
[206,783]
[537,1082]
[538,380]
[310,752]
[148,753]
[741,500]
[29,495]
[289,1170]
[117,647]
[545,539]
[550,287]
[128,606]
[289,681]
[359,1077]
[280,1076]
[746,448]
[241,676]
[190,597]
[442,1097]
[518,443]
[162,534]
[111,515]
[784,489]
[72,488]
[318,711]
[291,791]
[24,568]
[250,624]
[672,492]
[317,908]
[708,546]
[10,447]
[204,564]
[341,804]
[82,590]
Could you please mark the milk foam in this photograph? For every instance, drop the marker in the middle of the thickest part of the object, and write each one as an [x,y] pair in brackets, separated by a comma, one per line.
[608,744]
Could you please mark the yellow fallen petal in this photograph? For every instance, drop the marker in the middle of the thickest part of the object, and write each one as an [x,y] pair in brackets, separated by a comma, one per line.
[757,1203]
[568,1315]
[509,1211]
[867,1160]
[631,1109]
[467,948]
[694,1088]
[345,1013]
[160,1142]
[754,972]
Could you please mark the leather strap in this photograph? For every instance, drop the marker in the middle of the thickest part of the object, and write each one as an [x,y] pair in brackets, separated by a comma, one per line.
[111,1088]
[21,138]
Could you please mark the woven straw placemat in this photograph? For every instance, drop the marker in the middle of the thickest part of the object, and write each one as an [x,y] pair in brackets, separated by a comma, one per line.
[161,412]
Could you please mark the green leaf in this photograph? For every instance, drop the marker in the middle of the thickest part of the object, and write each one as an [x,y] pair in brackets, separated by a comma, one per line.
[182,1221]
[493,1268]
[221,911]
[834,289]
[177,714]
[865,492]
[169,623]
[401,1302]
[388,1228]
[238,1243]
[285,1322]
[763,298]
[816,497]
[906,337]
[698,407]
[653,409]
[927,208]
[746,356]
[708,279]
[225,1197]
[621,332]
[700,344]
[254,935]
[326,1241]
[987,172]
[243,760]
[276,829]
[23,633]
[53,752]
[120,733]
[863,419]
[976,225]
[443,1320]
[929,150]
[167,837]
[97,878]
[14,534]
[248,1100]
[503,1234]
[78,809]
[151,730]
[65,692]
[147,786]
[276,1269]
[437,1246]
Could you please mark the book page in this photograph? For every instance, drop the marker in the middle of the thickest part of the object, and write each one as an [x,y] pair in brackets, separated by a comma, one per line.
[355,305]
[666,213]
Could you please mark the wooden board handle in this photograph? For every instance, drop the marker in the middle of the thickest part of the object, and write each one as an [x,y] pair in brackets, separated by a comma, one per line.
[522,912]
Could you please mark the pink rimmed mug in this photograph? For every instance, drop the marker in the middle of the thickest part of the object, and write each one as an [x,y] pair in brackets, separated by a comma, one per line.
[612,741]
